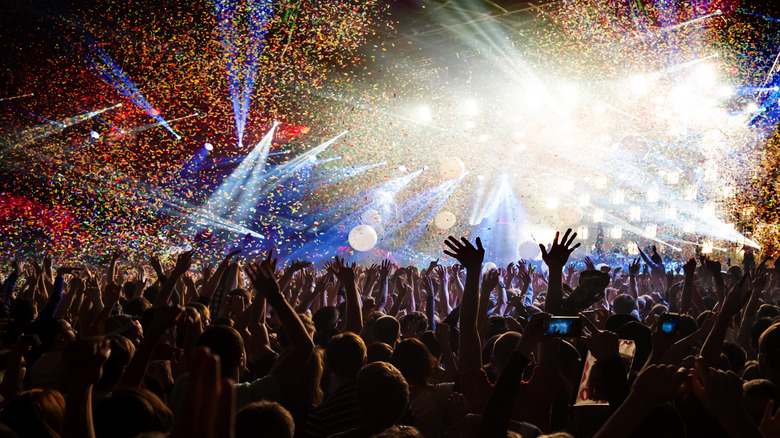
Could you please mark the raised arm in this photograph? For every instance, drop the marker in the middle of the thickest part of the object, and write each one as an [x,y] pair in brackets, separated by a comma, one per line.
[346,275]
[556,259]
[471,258]
[182,265]
[290,366]
[734,301]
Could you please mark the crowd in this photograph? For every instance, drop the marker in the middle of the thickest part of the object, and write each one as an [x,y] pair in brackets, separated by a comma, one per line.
[253,348]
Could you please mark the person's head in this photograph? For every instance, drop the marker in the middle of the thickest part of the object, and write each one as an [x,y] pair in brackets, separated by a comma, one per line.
[768,311]
[756,394]
[126,326]
[35,413]
[122,350]
[737,356]
[226,343]
[415,362]
[413,324]
[399,432]
[264,418]
[130,411]
[382,395]
[623,304]
[502,350]
[306,389]
[378,352]
[432,344]
[757,329]
[769,353]
[325,318]
[203,310]
[136,306]
[23,311]
[345,355]
[387,329]
[56,334]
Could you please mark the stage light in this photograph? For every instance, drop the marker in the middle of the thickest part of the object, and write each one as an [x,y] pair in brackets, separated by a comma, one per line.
[707,247]
[483,138]
[208,146]
[424,114]
[521,147]
[725,91]
[601,182]
[728,191]
[708,211]
[652,194]
[752,107]
[598,215]
[635,213]
[402,168]
[651,231]
[584,200]
[552,203]
[639,85]
[470,107]
[583,232]
[424,168]
[688,227]
[616,233]
[94,135]
[571,92]
[672,178]
[632,249]
[480,177]
[567,186]
[469,125]
[705,74]
[670,212]
[618,197]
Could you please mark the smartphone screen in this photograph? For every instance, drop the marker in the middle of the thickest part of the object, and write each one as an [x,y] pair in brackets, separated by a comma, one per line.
[669,322]
[563,326]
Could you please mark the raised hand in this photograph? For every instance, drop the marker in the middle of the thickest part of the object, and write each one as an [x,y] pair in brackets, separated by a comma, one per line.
[264,281]
[523,273]
[67,270]
[689,268]
[297,265]
[602,343]
[559,252]
[736,298]
[490,280]
[633,268]
[464,252]
[589,263]
[384,269]
[18,266]
[342,271]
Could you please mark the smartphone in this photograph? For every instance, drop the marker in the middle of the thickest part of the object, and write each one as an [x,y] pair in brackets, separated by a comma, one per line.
[30,340]
[669,322]
[563,327]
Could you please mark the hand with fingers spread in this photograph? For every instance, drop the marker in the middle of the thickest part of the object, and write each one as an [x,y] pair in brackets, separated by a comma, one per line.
[559,253]
[589,263]
[689,268]
[264,281]
[490,280]
[342,271]
[463,251]
[633,268]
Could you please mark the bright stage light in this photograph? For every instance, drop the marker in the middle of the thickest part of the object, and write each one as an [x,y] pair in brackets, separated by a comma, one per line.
[480,177]
[424,114]
[598,215]
[672,178]
[571,93]
[651,231]
[208,146]
[470,107]
[582,232]
[635,213]
[469,125]
[707,247]
[618,197]
[725,91]
[567,186]
[688,227]
[690,193]
[639,85]
[708,211]
[705,74]
[632,249]
[752,107]
[584,200]
[652,194]
[601,182]
[402,168]
[616,233]
[552,203]
[94,135]
[670,212]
